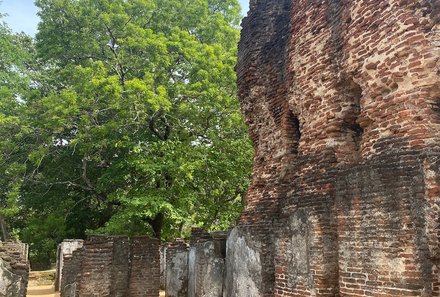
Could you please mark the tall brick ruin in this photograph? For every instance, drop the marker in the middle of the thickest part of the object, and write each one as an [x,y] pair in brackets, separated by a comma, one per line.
[342,98]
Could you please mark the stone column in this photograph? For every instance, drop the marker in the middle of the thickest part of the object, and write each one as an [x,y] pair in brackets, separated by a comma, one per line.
[176,269]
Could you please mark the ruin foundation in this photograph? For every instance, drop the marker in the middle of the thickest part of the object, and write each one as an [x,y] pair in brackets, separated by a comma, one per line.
[342,99]
[112,266]
[196,269]
[14,269]
[65,250]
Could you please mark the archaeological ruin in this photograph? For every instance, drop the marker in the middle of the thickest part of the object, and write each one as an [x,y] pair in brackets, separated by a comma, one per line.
[342,100]
[110,266]
[197,268]
[343,103]
[14,269]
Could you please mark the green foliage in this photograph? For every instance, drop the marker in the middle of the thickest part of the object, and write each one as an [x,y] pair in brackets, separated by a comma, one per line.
[15,72]
[43,235]
[128,123]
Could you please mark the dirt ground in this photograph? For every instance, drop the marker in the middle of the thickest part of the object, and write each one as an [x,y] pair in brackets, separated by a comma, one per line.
[42,291]
[48,291]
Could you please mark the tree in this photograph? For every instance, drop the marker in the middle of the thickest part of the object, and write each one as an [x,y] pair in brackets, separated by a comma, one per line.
[15,62]
[134,117]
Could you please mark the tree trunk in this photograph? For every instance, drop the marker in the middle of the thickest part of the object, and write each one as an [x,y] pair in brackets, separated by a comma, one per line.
[157,224]
[3,229]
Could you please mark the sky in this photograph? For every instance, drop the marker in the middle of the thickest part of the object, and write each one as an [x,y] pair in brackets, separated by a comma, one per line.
[22,14]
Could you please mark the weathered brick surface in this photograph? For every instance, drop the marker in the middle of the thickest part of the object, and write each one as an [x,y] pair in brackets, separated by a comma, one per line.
[72,264]
[343,103]
[120,266]
[65,249]
[14,269]
[112,266]
[145,267]
[96,267]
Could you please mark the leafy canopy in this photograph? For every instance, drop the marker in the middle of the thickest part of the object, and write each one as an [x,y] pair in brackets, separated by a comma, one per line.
[130,122]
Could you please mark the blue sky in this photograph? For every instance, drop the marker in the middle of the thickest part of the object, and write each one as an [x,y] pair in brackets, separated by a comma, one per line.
[22,14]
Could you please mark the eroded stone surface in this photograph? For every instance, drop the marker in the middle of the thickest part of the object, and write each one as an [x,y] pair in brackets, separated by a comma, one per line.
[176,269]
[243,265]
[342,100]
[14,269]
[206,269]
[196,269]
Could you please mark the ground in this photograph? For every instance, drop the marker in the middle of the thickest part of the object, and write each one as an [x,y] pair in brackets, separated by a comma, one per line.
[42,291]
[48,291]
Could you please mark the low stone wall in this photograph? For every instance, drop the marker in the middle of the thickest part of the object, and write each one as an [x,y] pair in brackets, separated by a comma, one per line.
[112,266]
[197,269]
[14,269]
[176,269]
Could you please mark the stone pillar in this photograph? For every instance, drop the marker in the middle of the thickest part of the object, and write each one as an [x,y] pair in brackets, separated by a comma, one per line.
[249,262]
[206,266]
[176,271]
[163,251]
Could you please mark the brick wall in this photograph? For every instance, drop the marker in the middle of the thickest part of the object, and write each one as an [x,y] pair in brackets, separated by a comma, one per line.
[96,270]
[65,249]
[14,269]
[145,267]
[72,265]
[112,266]
[120,266]
[342,100]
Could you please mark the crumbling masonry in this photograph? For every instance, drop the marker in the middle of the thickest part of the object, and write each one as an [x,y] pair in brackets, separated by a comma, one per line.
[110,266]
[342,98]
[14,269]
[196,269]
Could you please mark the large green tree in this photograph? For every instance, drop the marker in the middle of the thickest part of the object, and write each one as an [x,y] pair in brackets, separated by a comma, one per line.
[15,69]
[134,120]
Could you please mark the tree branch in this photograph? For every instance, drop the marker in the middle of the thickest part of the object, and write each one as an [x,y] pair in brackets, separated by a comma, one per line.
[152,125]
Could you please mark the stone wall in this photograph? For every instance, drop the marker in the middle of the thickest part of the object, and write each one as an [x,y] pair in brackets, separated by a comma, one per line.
[112,266]
[206,265]
[176,269]
[14,269]
[196,269]
[342,99]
